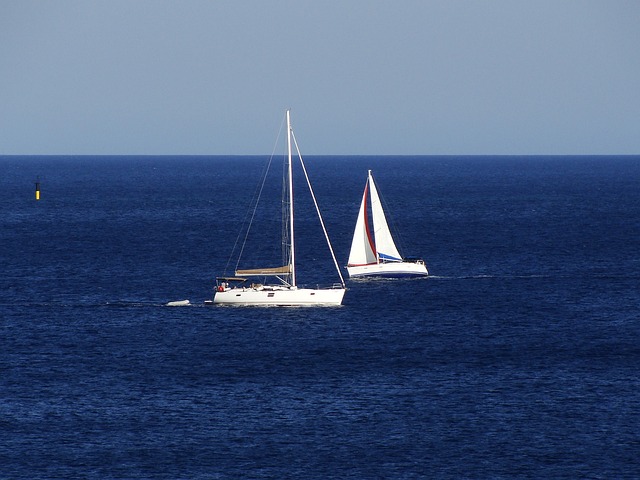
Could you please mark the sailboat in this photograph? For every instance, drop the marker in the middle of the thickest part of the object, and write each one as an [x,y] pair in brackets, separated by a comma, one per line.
[280,287]
[377,255]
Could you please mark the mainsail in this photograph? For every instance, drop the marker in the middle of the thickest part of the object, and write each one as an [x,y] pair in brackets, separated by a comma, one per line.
[363,250]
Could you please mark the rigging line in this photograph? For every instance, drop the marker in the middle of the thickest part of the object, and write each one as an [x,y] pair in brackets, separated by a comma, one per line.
[252,201]
[255,200]
[253,212]
[315,202]
[397,233]
[285,243]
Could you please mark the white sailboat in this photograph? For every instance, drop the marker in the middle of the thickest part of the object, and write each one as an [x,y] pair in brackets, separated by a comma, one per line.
[377,255]
[283,289]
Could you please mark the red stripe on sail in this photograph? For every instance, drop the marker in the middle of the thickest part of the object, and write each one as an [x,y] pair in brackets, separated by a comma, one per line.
[366,222]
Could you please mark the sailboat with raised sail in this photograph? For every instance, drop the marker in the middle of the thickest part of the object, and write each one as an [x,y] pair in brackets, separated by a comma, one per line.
[279,286]
[377,255]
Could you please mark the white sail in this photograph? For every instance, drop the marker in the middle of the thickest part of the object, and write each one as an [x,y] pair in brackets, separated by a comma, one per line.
[387,250]
[362,248]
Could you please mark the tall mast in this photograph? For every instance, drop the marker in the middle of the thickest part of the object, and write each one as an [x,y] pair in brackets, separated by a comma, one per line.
[290,172]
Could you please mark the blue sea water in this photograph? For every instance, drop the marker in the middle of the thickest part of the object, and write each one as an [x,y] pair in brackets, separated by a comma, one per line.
[517,358]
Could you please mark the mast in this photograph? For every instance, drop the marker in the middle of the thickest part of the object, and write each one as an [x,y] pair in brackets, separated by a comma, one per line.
[368,190]
[366,223]
[290,175]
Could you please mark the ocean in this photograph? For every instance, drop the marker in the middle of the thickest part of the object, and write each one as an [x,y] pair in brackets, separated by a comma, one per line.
[518,357]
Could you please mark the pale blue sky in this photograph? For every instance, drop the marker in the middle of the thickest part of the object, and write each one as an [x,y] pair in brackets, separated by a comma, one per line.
[424,77]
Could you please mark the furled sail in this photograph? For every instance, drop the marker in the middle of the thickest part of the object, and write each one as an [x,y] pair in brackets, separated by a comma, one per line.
[284,270]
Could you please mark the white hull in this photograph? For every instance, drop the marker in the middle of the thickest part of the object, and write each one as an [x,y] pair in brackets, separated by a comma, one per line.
[389,270]
[279,296]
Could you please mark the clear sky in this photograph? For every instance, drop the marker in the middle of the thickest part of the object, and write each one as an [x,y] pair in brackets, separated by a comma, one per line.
[424,77]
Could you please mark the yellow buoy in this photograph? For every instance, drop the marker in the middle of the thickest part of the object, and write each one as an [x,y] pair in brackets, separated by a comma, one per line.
[38,189]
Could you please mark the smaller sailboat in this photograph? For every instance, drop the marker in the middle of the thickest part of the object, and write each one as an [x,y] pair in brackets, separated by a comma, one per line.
[377,255]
